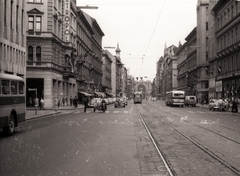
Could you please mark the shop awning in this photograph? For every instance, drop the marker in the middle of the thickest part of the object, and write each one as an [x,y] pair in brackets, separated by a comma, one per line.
[110,94]
[86,94]
[100,94]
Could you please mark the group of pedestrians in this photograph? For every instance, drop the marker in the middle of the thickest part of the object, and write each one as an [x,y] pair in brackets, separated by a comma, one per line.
[232,103]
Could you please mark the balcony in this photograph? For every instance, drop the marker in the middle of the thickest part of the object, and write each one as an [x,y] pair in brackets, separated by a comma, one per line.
[81,78]
[67,73]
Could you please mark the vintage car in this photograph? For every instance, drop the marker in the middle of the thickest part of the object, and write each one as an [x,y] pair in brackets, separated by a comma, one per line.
[219,104]
[190,100]
[94,102]
[120,102]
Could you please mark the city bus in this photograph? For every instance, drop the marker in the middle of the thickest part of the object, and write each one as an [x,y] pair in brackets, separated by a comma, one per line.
[175,97]
[137,97]
[12,102]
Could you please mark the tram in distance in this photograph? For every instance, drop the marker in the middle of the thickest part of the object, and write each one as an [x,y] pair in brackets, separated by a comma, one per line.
[13,103]
[137,97]
[175,97]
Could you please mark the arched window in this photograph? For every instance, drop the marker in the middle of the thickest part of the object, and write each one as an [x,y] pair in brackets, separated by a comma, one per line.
[30,53]
[38,53]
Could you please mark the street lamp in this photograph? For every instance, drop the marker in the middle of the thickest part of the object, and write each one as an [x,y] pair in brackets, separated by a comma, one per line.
[78,8]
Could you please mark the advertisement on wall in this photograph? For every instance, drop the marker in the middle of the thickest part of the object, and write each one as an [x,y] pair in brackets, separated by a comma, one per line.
[218,86]
[67,20]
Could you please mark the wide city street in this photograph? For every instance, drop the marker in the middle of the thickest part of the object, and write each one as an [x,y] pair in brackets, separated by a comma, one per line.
[191,140]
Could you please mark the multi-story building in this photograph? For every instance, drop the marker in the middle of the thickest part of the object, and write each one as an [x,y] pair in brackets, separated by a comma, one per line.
[51,46]
[64,51]
[130,86]
[124,81]
[106,70]
[116,73]
[187,70]
[226,63]
[13,37]
[159,79]
[169,66]
[92,49]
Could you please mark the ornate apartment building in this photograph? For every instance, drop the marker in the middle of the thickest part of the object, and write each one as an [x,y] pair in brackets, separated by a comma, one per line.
[226,63]
[13,37]
[64,50]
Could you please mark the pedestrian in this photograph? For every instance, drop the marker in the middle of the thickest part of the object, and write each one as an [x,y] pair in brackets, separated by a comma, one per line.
[75,101]
[41,103]
[71,101]
[59,102]
[85,104]
[234,106]
[56,103]
[63,101]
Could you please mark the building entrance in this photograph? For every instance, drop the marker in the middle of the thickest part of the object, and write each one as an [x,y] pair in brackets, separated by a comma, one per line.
[34,83]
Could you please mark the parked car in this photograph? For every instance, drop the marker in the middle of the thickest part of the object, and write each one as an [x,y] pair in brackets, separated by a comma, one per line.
[107,101]
[94,101]
[190,100]
[219,104]
[119,102]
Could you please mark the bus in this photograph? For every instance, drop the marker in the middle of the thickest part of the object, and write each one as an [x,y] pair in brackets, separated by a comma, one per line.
[12,102]
[175,97]
[137,97]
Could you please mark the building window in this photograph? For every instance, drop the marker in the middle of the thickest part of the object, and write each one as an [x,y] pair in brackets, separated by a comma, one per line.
[5,12]
[22,22]
[35,1]
[31,23]
[206,26]
[17,8]
[38,53]
[38,23]
[30,53]
[11,15]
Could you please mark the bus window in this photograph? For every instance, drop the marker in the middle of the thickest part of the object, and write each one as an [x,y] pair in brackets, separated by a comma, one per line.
[21,86]
[14,89]
[6,87]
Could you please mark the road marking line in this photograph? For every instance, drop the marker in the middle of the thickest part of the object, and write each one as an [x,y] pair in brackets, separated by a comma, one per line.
[191,112]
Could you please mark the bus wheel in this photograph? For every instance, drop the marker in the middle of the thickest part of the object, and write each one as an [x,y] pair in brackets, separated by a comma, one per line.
[9,130]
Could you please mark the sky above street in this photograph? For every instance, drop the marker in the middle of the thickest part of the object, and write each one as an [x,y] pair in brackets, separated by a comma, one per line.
[142,28]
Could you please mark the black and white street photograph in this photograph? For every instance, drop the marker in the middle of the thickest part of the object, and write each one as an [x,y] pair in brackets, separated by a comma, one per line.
[119,87]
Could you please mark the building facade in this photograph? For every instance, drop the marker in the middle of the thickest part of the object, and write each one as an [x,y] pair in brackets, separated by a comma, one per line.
[106,69]
[13,38]
[64,51]
[187,74]
[226,63]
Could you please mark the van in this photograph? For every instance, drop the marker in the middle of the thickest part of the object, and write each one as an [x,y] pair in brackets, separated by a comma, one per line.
[190,100]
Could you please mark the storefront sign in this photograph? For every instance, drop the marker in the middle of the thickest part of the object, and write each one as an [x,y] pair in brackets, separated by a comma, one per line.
[219,86]
[67,20]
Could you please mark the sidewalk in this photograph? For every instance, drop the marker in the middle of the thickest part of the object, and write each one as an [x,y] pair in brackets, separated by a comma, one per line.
[31,113]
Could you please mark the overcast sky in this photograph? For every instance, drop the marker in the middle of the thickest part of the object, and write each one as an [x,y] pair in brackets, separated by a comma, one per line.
[142,27]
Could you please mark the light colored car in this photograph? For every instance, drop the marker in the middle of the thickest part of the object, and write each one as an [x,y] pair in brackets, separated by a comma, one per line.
[94,102]
[190,100]
[119,102]
[219,104]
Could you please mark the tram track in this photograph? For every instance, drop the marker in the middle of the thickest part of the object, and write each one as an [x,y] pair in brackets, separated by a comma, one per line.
[217,133]
[186,136]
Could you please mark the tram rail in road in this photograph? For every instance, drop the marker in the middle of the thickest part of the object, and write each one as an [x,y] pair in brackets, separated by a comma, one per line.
[197,144]
[169,171]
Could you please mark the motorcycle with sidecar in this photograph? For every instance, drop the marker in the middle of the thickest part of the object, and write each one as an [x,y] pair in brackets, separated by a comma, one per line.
[100,107]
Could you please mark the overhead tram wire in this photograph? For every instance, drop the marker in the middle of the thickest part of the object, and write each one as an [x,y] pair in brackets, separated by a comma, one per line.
[152,33]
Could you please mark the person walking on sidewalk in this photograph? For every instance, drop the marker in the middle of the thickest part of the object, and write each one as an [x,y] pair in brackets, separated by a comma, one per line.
[75,102]
[234,106]
[56,104]
[41,103]
[85,104]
